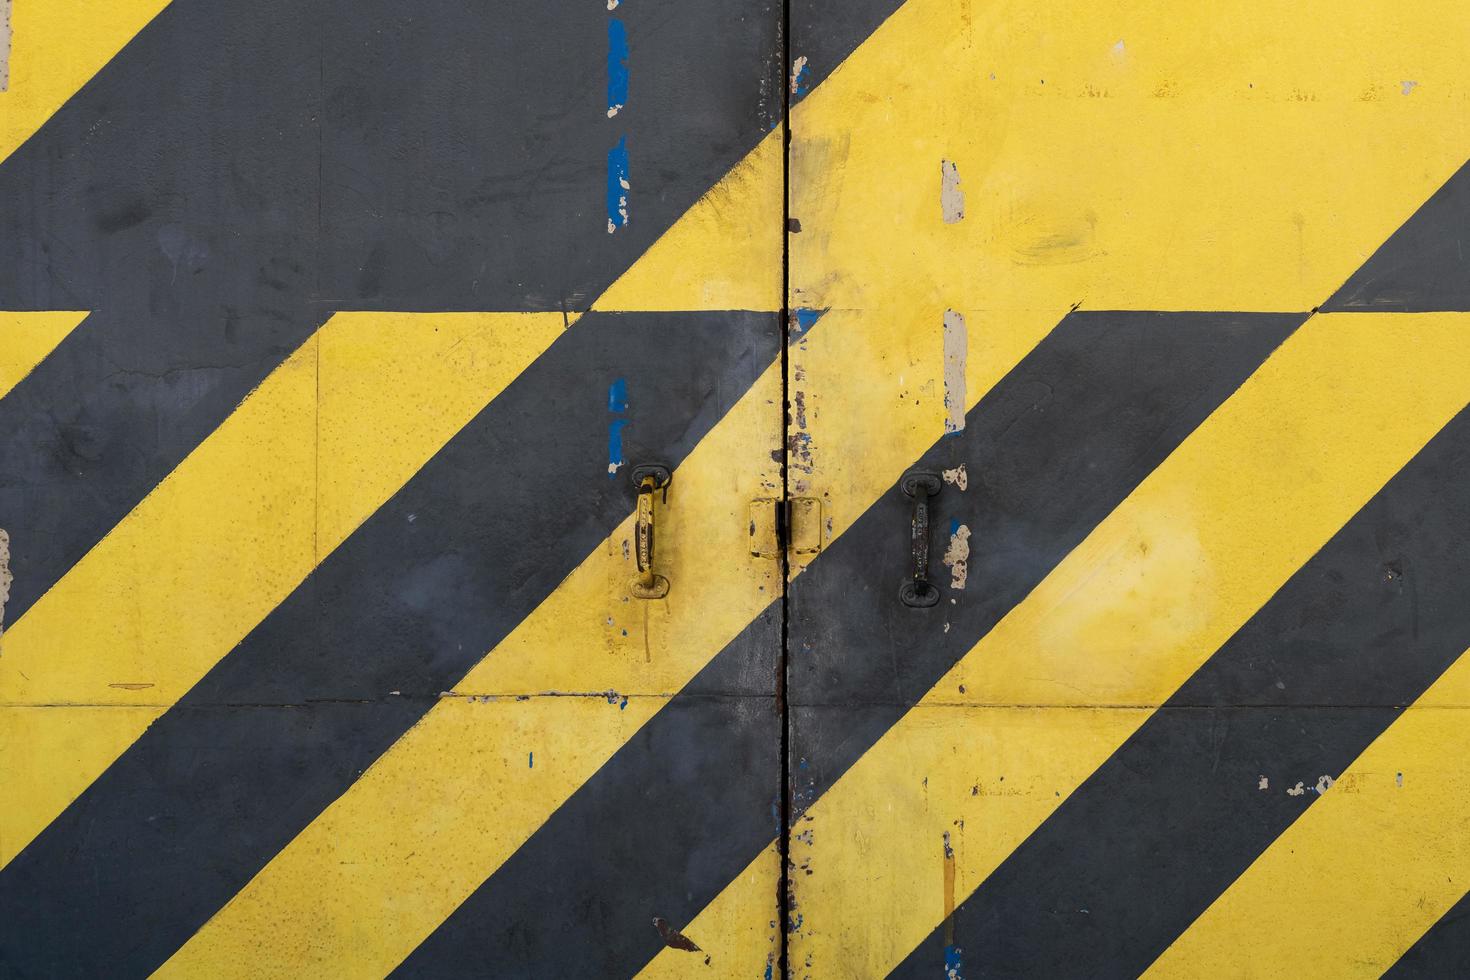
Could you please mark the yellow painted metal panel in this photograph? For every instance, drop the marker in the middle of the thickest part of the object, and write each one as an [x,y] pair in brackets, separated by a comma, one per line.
[1073,670]
[329,436]
[1365,872]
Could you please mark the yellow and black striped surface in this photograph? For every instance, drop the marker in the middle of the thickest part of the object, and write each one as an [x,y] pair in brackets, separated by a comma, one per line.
[334,331]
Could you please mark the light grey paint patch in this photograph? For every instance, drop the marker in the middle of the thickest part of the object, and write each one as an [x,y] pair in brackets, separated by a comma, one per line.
[951,198]
[956,349]
[5,577]
[4,45]
[957,557]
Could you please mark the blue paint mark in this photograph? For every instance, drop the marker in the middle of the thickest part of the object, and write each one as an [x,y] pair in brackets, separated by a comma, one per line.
[617,186]
[617,66]
[530,760]
[954,526]
[803,319]
[617,396]
[952,963]
[768,969]
[615,446]
[803,79]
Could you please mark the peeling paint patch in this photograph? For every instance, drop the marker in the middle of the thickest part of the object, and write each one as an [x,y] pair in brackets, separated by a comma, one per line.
[131,687]
[1407,87]
[956,349]
[1297,790]
[617,186]
[1264,783]
[615,459]
[4,45]
[957,555]
[803,318]
[957,477]
[617,66]
[951,198]
[1398,780]
[612,4]
[952,963]
[800,76]
[1120,50]
[5,577]
[673,938]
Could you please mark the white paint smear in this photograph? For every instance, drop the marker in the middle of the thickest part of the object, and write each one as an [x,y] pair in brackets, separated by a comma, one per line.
[957,557]
[956,349]
[951,198]
[5,577]
[4,45]
[797,67]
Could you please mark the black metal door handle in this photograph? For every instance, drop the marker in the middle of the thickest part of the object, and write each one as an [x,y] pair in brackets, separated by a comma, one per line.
[648,479]
[918,592]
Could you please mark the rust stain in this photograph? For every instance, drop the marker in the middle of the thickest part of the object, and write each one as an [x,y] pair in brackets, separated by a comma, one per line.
[673,938]
[948,891]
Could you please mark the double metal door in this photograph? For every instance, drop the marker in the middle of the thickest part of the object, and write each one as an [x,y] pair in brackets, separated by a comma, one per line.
[808,489]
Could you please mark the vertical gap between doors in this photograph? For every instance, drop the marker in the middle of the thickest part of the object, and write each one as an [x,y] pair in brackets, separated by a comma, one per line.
[783,888]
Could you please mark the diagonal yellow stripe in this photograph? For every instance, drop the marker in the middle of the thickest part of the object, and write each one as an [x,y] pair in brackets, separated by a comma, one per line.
[26,338]
[328,437]
[56,46]
[1365,872]
[359,888]
[1058,685]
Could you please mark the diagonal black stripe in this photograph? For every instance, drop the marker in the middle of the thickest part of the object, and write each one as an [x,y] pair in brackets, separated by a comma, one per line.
[823,32]
[1424,266]
[675,814]
[1177,813]
[241,170]
[408,604]
[1443,951]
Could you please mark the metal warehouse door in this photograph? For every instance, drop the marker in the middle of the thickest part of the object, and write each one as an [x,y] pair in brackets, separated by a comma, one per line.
[1132,393]
[737,489]
[355,352]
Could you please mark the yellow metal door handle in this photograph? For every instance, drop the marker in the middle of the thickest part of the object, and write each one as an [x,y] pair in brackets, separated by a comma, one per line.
[648,479]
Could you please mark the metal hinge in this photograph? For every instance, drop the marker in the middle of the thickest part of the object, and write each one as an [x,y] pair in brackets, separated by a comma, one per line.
[774,528]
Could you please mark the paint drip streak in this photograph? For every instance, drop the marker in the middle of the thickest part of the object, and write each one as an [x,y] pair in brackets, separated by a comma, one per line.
[617,186]
[617,66]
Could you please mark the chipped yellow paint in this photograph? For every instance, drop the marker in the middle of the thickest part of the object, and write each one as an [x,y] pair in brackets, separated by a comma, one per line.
[1074,669]
[26,338]
[329,436]
[56,46]
[1365,872]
